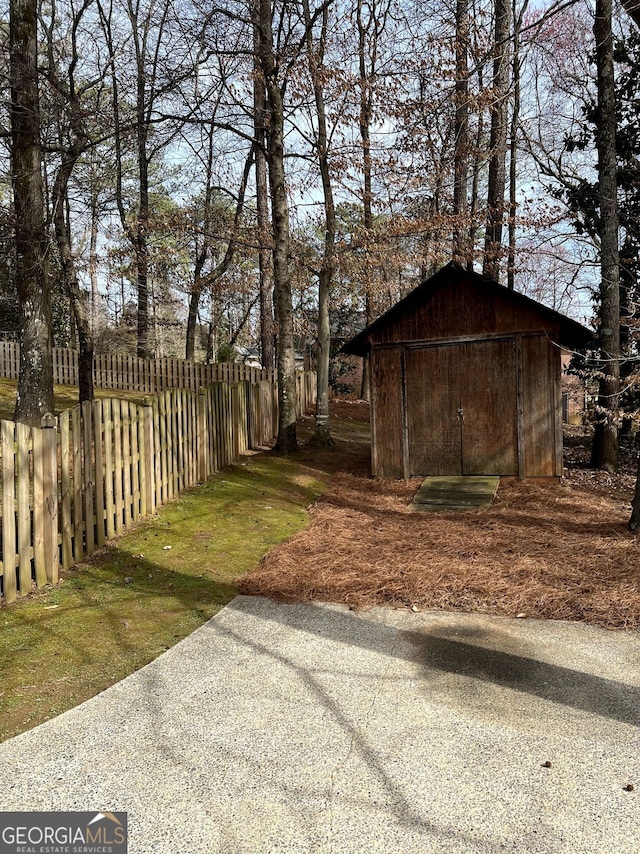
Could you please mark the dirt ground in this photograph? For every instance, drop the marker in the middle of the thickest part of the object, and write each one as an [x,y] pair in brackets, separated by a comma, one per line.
[545,550]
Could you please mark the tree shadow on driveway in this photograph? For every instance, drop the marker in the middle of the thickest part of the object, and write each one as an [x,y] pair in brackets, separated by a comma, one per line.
[433,650]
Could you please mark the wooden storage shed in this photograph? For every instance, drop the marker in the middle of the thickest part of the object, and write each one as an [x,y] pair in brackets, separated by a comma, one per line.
[465,379]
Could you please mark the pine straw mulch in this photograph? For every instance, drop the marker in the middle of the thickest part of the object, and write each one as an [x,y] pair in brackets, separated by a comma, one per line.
[545,550]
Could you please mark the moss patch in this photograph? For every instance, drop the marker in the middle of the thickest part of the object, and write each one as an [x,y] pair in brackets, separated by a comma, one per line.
[148,589]
[65,397]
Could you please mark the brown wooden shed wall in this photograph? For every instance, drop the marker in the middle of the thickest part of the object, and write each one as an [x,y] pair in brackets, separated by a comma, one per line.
[454,310]
[502,392]
[466,379]
[387,421]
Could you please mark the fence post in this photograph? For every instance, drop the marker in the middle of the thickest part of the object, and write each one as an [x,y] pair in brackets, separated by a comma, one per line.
[147,487]
[50,494]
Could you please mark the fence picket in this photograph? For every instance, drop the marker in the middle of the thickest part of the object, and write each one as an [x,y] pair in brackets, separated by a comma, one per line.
[193,449]
[164,479]
[88,477]
[78,524]
[127,497]
[179,441]
[65,482]
[24,481]
[50,494]
[38,508]
[171,439]
[98,423]
[108,468]
[134,425]
[118,499]
[9,579]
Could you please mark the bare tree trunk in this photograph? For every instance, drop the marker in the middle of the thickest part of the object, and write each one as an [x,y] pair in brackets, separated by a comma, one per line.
[93,263]
[315,58]
[147,59]
[142,230]
[158,338]
[370,25]
[604,452]
[475,179]
[35,385]
[192,319]
[513,149]
[286,365]
[72,287]
[202,253]
[203,282]
[74,141]
[498,141]
[634,521]
[461,252]
[243,321]
[265,236]
[212,342]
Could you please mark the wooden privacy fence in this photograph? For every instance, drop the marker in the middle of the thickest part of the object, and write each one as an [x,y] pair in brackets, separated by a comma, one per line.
[152,376]
[75,482]
[128,373]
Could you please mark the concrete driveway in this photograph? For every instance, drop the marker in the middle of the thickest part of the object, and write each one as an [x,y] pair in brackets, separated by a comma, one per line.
[312,728]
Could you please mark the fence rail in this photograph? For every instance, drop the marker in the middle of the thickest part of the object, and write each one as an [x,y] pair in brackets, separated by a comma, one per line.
[72,484]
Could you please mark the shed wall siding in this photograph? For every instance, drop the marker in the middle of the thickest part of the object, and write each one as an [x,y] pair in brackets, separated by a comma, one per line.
[540,407]
[457,310]
[387,453]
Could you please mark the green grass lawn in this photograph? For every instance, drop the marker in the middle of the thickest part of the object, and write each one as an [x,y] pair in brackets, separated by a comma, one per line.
[148,589]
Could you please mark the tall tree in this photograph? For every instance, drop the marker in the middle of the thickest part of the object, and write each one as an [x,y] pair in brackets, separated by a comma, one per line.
[316,50]
[605,441]
[498,140]
[461,251]
[371,21]
[270,65]
[35,385]
[513,142]
[71,107]
[265,237]
[212,205]
[162,59]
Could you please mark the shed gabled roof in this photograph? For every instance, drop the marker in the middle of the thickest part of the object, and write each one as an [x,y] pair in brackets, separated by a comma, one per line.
[572,334]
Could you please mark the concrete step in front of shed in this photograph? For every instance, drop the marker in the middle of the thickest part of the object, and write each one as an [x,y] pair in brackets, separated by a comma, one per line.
[455,493]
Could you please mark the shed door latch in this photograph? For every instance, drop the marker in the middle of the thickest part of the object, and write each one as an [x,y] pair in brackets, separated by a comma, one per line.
[461,414]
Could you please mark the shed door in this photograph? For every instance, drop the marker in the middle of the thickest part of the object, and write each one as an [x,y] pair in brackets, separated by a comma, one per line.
[461,409]
[433,400]
[489,407]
